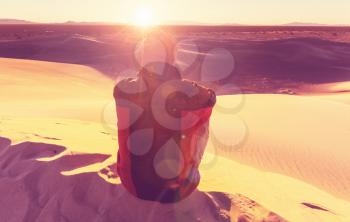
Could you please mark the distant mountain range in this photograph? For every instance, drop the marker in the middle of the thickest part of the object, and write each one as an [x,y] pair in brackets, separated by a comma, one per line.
[14,21]
[304,24]
[88,23]
[19,21]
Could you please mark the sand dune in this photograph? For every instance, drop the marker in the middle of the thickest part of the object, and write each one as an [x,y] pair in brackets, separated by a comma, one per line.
[226,178]
[105,55]
[31,88]
[37,191]
[299,136]
[310,146]
[308,60]
[269,65]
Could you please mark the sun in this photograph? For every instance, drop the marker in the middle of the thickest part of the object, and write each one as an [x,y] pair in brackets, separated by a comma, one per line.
[144,17]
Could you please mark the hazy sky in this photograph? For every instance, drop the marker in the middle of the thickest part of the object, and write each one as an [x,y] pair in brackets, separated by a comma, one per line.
[203,11]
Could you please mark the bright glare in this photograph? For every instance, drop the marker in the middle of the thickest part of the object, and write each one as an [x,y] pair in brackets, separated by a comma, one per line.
[144,17]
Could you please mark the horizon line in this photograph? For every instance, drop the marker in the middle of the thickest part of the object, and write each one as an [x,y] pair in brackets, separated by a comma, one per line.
[169,23]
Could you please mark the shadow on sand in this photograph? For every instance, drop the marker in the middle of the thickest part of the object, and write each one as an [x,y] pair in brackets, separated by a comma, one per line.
[33,190]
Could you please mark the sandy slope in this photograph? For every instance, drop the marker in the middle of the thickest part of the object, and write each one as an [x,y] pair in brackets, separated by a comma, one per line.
[287,136]
[31,88]
[303,137]
[33,190]
[276,192]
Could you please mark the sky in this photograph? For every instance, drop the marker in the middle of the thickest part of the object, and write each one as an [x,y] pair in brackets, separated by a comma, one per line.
[258,12]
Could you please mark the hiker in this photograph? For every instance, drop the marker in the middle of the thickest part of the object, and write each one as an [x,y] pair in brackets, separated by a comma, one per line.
[162,132]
